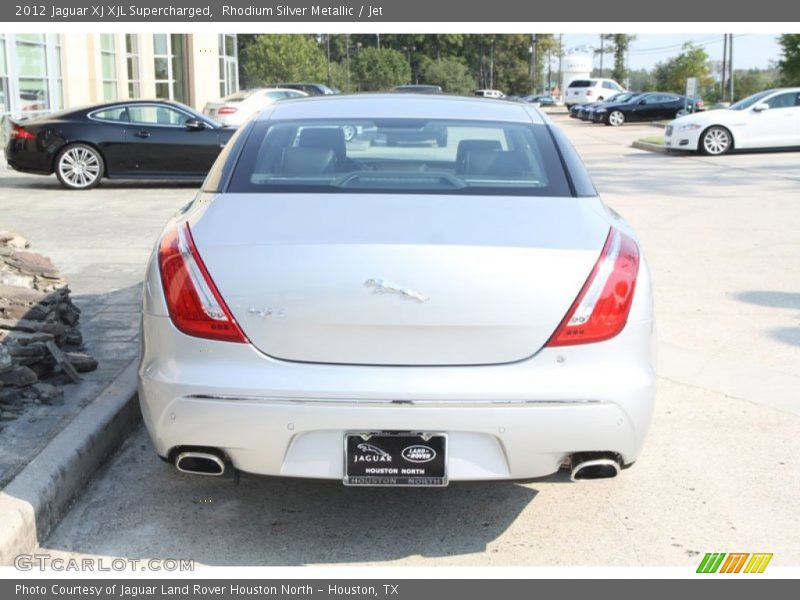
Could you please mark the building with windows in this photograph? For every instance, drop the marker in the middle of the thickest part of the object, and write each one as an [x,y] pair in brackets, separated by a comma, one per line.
[42,73]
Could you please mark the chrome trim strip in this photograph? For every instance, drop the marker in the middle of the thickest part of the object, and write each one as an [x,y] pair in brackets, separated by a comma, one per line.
[391,402]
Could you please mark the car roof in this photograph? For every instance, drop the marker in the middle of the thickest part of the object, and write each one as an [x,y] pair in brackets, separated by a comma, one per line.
[387,106]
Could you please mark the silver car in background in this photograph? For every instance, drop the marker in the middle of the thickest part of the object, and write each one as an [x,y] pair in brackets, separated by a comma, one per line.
[237,108]
[402,314]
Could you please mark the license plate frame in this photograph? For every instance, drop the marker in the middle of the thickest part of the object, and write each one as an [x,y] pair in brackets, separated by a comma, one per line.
[396,459]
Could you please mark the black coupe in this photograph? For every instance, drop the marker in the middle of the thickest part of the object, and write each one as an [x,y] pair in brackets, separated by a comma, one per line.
[132,139]
[650,106]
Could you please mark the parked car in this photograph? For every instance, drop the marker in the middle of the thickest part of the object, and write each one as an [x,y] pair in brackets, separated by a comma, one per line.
[650,106]
[418,89]
[237,108]
[490,94]
[312,89]
[584,112]
[541,100]
[398,316]
[768,119]
[581,91]
[141,139]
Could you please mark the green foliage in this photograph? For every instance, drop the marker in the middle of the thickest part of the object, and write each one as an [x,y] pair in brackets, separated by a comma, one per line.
[746,83]
[453,75]
[671,75]
[275,58]
[619,43]
[377,69]
[461,63]
[789,64]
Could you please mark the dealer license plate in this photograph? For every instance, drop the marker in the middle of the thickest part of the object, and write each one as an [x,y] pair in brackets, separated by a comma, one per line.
[395,459]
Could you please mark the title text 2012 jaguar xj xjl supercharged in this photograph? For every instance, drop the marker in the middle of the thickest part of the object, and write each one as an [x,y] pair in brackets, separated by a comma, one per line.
[398,313]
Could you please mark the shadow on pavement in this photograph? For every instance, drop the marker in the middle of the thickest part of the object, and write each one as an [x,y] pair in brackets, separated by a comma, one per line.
[144,508]
[790,300]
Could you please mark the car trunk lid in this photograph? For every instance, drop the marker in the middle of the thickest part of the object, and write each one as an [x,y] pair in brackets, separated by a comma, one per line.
[399,279]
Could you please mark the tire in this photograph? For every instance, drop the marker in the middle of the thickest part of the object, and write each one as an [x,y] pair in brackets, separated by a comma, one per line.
[715,141]
[615,118]
[79,167]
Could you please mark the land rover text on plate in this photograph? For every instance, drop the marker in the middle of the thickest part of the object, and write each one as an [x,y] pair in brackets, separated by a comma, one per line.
[398,314]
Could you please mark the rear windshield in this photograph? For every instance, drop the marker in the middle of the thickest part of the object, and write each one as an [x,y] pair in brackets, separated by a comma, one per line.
[407,156]
[582,83]
[238,96]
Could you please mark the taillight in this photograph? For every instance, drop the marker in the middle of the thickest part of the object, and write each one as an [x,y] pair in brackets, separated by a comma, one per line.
[194,304]
[227,110]
[589,92]
[20,133]
[601,309]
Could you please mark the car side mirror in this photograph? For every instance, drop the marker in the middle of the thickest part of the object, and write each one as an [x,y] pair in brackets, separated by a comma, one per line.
[761,106]
[194,124]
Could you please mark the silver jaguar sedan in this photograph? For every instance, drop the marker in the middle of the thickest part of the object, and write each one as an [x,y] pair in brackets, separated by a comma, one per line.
[441,297]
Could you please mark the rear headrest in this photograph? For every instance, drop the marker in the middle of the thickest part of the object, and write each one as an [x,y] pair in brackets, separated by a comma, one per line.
[307,161]
[465,146]
[496,163]
[324,137]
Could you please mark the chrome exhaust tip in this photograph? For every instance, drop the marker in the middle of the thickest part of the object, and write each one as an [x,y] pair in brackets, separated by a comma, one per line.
[200,463]
[593,467]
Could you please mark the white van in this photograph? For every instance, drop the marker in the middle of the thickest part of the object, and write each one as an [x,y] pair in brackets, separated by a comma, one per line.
[581,91]
[490,93]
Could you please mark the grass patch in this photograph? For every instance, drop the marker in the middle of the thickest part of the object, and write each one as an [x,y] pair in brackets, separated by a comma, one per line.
[653,139]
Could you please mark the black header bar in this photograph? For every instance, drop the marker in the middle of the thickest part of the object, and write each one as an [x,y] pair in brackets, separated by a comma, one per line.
[441,11]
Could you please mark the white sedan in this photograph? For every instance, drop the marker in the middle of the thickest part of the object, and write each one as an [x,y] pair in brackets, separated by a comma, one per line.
[237,108]
[398,314]
[769,119]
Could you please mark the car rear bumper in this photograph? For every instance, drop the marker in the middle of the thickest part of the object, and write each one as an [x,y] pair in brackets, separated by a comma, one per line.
[510,421]
[27,162]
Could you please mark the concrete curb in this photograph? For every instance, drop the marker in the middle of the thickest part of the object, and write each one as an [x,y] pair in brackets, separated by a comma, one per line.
[34,502]
[651,147]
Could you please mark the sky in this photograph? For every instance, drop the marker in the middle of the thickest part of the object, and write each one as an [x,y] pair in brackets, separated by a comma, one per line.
[749,50]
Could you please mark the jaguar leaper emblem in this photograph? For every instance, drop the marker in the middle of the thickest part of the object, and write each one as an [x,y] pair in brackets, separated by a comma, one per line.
[381,286]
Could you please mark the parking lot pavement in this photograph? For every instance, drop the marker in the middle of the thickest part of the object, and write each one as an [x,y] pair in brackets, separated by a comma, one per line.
[720,470]
[99,240]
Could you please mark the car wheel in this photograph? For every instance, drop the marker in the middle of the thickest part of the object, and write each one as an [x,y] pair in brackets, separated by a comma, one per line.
[79,167]
[715,141]
[615,118]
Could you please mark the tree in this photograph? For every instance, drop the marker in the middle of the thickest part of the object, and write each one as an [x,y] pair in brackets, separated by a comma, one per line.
[275,58]
[789,64]
[619,43]
[748,82]
[380,69]
[452,75]
[671,75]
[641,80]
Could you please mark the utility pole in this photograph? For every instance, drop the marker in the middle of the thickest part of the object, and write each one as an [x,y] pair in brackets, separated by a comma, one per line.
[560,56]
[730,66]
[602,53]
[724,67]
[328,51]
[347,57]
[533,62]
[491,66]
[378,35]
